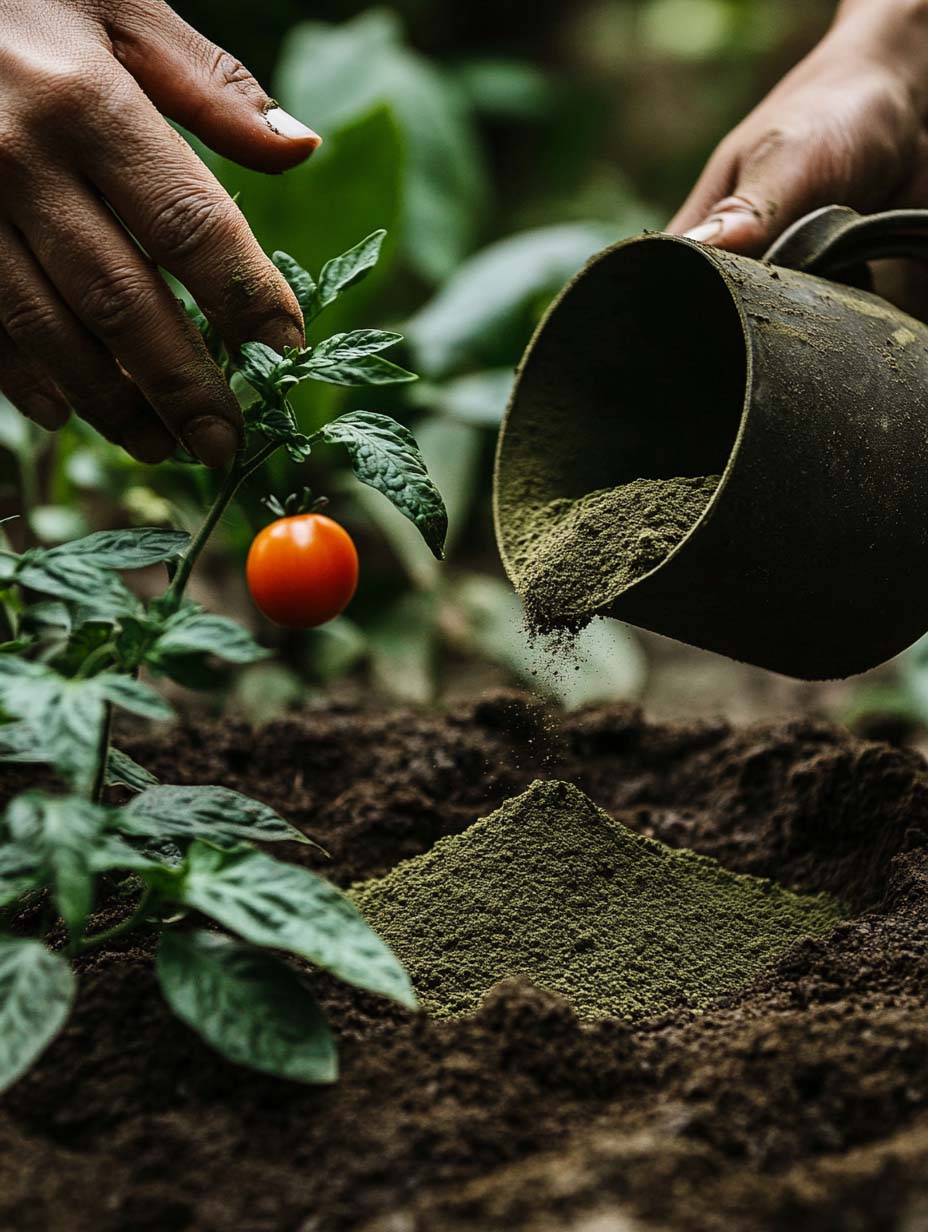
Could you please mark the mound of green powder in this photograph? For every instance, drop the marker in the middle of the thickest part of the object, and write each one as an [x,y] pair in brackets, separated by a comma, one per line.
[551,888]
[575,555]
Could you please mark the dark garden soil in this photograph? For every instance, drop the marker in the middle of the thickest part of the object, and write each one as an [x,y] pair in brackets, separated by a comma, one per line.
[801,1103]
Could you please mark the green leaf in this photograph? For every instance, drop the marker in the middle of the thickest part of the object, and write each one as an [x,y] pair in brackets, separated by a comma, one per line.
[484,315]
[277,424]
[262,367]
[344,271]
[65,715]
[132,695]
[112,852]
[353,345]
[368,370]
[479,398]
[249,1006]
[286,907]
[217,814]
[19,743]
[123,770]
[78,580]
[385,456]
[125,549]
[19,871]
[62,831]
[301,283]
[194,631]
[445,177]
[37,991]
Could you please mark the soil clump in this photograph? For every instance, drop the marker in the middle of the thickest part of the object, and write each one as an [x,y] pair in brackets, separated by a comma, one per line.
[797,1103]
[549,887]
[573,556]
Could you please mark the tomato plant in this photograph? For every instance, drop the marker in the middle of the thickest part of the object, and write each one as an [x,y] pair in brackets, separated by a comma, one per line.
[78,644]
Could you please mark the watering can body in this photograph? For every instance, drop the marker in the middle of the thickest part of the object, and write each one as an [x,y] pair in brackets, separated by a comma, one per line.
[805,392]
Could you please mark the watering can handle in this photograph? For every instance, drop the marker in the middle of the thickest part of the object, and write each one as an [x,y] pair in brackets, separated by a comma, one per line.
[835,239]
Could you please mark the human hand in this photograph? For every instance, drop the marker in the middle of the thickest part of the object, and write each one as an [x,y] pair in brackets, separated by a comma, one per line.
[848,126]
[89,170]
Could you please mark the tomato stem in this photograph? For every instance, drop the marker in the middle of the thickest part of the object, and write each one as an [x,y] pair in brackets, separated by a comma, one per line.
[242,469]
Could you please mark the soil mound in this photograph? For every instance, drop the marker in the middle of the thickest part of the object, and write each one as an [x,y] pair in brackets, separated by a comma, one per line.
[797,1104]
[551,888]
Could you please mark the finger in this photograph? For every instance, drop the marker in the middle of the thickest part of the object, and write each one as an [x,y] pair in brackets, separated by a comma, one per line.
[201,86]
[774,184]
[188,224]
[119,296]
[47,335]
[715,183]
[30,392]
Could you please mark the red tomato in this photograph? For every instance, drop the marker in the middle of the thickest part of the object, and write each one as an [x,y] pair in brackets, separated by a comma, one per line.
[302,570]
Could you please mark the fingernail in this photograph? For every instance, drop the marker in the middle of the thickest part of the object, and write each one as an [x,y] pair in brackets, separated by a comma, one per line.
[707,231]
[286,125]
[212,440]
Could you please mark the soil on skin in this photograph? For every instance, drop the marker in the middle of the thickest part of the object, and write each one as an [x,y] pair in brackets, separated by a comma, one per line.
[800,1103]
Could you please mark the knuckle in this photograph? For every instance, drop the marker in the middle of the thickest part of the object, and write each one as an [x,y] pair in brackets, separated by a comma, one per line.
[183,225]
[29,321]
[65,90]
[114,301]
[229,71]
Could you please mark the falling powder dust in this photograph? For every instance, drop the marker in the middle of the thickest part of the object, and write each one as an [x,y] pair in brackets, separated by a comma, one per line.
[551,888]
[572,557]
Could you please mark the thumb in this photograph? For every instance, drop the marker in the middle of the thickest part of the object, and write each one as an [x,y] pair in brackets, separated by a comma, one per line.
[205,89]
[769,190]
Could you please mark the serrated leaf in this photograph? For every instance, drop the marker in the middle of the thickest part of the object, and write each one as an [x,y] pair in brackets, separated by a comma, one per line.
[385,456]
[344,271]
[78,580]
[248,1005]
[133,548]
[120,768]
[365,370]
[217,814]
[286,907]
[62,832]
[193,631]
[67,715]
[260,365]
[301,283]
[37,991]
[353,345]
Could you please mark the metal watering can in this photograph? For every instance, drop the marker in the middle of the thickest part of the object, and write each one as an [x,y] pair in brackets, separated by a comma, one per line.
[805,391]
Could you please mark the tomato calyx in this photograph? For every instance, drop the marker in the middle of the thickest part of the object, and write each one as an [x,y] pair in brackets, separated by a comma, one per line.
[295,504]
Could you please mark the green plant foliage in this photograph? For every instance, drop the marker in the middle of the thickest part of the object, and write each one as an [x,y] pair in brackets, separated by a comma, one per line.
[250,1006]
[445,186]
[386,457]
[75,656]
[484,314]
[36,994]
[217,814]
[286,907]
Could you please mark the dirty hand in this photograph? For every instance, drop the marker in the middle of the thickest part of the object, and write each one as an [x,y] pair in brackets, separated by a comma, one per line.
[848,126]
[90,171]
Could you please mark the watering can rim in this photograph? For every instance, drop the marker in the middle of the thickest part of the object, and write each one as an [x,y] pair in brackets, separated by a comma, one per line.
[713,256]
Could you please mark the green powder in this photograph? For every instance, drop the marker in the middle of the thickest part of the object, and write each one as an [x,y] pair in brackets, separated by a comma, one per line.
[551,888]
[573,556]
